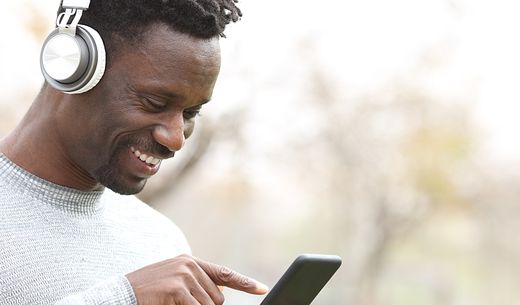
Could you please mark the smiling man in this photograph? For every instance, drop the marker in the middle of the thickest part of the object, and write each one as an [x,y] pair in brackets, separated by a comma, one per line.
[70,230]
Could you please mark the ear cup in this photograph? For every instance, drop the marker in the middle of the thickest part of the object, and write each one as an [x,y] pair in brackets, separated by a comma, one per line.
[73,64]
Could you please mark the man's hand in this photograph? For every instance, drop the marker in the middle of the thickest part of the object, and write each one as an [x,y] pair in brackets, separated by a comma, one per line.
[187,280]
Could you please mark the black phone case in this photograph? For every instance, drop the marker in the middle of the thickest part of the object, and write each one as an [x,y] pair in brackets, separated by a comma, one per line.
[303,280]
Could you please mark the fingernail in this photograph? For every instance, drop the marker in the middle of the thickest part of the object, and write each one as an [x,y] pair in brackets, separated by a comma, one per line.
[262,287]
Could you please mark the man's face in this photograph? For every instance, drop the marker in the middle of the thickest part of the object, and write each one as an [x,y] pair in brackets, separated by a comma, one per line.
[143,109]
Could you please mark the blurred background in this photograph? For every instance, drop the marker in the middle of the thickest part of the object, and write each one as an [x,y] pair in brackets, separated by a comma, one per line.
[381,131]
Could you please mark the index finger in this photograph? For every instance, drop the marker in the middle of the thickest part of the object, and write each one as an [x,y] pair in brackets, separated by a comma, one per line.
[224,276]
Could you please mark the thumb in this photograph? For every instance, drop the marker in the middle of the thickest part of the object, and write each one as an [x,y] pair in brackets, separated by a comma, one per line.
[224,276]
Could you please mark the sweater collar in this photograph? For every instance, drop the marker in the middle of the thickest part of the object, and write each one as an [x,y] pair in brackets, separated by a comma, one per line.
[63,198]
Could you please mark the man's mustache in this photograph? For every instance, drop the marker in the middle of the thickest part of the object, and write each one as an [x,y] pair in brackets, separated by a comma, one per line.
[148,145]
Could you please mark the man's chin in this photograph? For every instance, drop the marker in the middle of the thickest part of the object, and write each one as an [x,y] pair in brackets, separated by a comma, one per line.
[118,173]
[120,183]
[127,188]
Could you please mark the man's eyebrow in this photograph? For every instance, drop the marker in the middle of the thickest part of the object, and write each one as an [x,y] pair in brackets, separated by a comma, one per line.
[175,96]
[168,94]
[205,101]
[164,93]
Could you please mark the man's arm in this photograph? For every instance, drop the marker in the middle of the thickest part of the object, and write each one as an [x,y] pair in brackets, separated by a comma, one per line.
[113,291]
[187,280]
[183,280]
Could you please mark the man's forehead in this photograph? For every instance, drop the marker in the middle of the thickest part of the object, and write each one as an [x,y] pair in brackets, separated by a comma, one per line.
[170,64]
[159,36]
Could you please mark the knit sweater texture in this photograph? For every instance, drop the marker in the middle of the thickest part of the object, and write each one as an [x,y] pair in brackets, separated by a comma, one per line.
[63,246]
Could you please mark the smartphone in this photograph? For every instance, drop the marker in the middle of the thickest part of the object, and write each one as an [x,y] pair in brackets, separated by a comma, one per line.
[303,280]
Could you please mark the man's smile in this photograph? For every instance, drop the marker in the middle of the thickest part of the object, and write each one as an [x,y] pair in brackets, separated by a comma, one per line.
[146,158]
[144,164]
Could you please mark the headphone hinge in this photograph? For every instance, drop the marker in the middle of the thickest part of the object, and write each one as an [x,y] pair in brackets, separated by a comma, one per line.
[62,22]
[79,4]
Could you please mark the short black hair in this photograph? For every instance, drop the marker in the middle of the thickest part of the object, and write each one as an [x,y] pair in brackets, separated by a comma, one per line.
[128,19]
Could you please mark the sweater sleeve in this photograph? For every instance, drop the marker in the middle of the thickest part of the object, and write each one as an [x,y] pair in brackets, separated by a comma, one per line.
[113,291]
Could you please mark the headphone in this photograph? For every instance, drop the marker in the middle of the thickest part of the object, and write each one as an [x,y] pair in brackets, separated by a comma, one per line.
[73,56]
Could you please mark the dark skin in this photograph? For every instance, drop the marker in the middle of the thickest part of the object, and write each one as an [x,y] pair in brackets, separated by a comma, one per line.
[147,101]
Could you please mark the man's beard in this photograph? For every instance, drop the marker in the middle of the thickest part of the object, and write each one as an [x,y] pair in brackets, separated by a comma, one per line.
[110,176]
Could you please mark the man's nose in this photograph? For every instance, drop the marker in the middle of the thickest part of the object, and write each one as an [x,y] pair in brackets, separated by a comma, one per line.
[170,134]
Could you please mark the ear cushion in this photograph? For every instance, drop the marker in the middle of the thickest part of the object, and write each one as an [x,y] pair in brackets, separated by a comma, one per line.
[99,67]
[92,53]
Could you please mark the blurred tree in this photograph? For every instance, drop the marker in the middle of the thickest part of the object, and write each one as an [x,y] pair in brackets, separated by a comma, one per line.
[378,166]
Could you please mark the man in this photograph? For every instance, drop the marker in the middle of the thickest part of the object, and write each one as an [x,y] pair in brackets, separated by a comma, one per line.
[64,237]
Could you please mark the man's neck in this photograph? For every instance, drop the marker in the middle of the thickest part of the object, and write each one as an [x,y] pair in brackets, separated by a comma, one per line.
[35,146]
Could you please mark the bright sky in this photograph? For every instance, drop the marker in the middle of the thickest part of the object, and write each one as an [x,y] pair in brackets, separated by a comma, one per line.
[362,43]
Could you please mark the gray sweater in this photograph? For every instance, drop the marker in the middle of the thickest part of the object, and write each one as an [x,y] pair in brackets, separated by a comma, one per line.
[63,246]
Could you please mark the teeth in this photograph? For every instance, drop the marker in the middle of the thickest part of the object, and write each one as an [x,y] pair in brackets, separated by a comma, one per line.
[153,161]
[145,158]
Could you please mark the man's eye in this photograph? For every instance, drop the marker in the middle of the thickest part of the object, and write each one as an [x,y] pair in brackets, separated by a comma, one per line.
[153,105]
[191,113]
